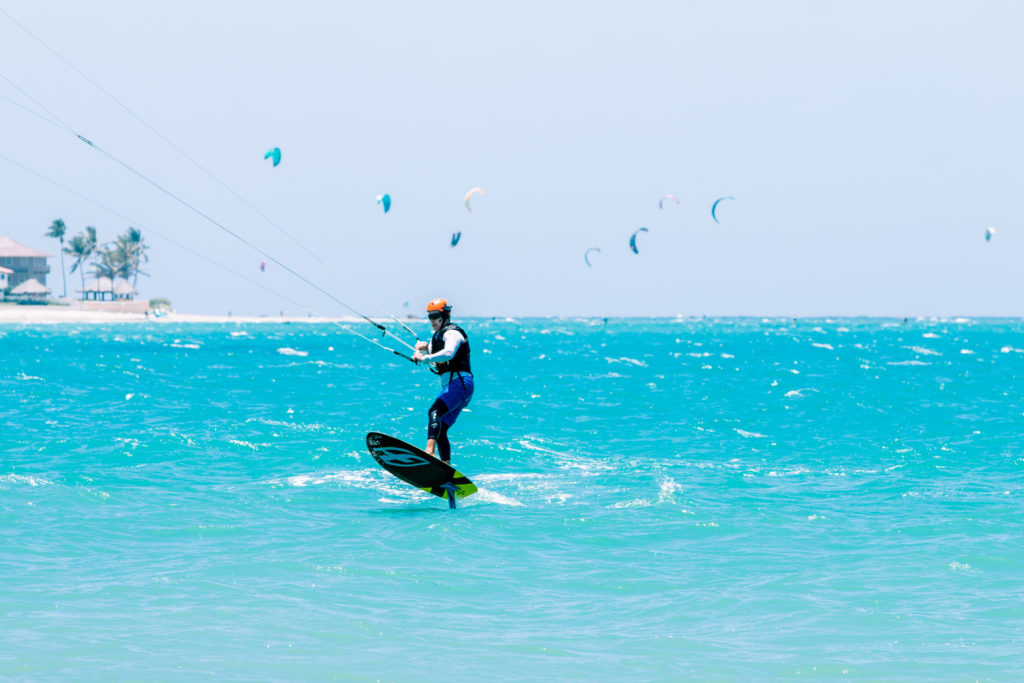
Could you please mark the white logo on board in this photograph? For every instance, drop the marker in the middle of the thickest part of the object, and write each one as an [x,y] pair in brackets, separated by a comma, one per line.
[397,457]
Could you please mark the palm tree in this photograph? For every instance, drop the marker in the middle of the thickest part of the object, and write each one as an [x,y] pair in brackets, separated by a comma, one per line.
[82,246]
[139,256]
[57,231]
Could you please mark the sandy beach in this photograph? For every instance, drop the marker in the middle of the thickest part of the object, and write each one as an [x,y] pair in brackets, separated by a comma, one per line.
[43,315]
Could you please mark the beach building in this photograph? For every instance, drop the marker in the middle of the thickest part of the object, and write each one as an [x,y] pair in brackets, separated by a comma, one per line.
[5,279]
[105,289]
[24,262]
[31,291]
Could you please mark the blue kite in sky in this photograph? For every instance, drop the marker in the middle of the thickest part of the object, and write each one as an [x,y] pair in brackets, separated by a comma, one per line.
[715,206]
[632,239]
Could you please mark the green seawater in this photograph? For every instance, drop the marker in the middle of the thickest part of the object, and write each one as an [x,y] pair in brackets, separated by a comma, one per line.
[662,499]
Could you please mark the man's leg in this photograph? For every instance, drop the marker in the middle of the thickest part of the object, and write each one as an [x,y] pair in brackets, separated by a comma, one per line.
[434,426]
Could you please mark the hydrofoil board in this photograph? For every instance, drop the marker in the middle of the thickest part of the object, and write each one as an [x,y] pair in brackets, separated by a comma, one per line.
[419,468]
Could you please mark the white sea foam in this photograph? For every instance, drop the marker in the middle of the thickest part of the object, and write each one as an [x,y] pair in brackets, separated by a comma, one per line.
[296,426]
[966,352]
[488,496]
[907,362]
[962,567]
[823,346]
[365,478]
[18,479]
[667,488]
[584,465]
[749,435]
[286,351]
[923,350]
[628,361]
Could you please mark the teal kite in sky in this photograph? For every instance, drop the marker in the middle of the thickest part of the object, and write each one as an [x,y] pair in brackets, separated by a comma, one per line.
[586,255]
[632,239]
[715,206]
[385,199]
[274,154]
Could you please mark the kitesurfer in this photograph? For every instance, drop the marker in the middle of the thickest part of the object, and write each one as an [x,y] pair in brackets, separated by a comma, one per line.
[449,349]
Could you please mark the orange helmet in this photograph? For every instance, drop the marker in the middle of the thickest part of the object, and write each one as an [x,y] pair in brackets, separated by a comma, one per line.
[439,306]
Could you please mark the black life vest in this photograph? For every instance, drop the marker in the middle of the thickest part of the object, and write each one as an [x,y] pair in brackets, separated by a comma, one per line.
[460,363]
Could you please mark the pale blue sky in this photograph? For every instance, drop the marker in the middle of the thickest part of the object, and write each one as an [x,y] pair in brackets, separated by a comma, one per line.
[868,146]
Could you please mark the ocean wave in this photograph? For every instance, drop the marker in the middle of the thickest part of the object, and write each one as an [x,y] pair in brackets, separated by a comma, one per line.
[483,495]
[628,361]
[294,426]
[923,350]
[667,488]
[26,479]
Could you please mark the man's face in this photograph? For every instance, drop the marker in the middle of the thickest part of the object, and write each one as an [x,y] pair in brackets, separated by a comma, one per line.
[436,320]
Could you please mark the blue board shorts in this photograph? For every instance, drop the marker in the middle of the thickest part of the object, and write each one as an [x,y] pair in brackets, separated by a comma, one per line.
[456,396]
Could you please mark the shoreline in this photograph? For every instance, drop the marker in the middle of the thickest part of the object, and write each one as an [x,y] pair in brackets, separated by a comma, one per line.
[49,315]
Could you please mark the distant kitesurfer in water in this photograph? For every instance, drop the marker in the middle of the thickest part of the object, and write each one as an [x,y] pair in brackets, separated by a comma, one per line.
[449,349]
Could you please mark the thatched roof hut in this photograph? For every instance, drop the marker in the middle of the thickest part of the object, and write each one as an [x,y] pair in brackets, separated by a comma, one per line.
[124,290]
[103,288]
[31,289]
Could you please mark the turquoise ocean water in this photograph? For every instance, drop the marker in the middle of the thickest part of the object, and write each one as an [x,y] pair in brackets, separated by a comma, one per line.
[660,500]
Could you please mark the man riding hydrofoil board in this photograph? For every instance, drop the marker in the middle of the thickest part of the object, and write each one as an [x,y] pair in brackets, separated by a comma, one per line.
[449,351]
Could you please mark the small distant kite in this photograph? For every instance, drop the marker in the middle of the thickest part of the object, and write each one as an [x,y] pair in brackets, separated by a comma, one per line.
[661,202]
[456,236]
[632,239]
[274,154]
[988,234]
[586,255]
[475,190]
[263,266]
[385,199]
[715,206]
